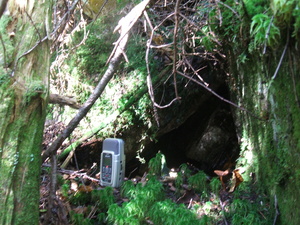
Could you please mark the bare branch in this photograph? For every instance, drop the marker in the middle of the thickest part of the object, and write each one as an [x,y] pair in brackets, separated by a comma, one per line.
[113,64]
[281,58]
[219,96]
[63,100]
[175,47]
[126,23]
[33,24]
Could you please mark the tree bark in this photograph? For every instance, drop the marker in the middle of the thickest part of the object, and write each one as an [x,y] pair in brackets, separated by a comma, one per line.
[23,99]
[2,6]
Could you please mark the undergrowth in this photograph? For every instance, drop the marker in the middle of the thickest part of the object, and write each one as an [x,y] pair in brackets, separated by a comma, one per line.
[148,202]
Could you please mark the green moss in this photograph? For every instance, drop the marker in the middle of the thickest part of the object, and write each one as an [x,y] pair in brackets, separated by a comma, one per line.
[199,182]
[6,50]
[91,57]
[34,90]
[272,145]
[254,7]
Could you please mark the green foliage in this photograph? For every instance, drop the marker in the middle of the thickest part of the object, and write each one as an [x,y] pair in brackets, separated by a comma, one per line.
[179,183]
[169,213]
[6,45]
[296,15]
[103,197]
[65,189]
[264,30]
[241,206]
[128,189]
[142,197]
[215,185]
[230,22]
[245,212]
[283,10]
[184,169]
[254,7]
[155,164]
[80,198]
[35,89]
[199,182]
[251,219]
[182,177]
[4,78]
[92,56]
[79,219]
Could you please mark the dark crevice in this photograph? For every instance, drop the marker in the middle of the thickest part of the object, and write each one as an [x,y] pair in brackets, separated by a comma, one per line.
[212,117]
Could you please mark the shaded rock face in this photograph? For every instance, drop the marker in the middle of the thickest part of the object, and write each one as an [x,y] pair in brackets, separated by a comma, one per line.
[217,145]
[207,139]
[87,154]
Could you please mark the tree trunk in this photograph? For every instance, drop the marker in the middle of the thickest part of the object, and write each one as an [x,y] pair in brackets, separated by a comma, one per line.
[23,99]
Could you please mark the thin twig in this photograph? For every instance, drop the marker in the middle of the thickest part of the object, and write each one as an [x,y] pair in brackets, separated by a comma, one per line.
[281,58]
[126,23]
[219,96]
[161,46]
[149,79]
[78,173]
[196,25]
[277,213]
[196,72]
[148,20]
[227,6]
[267,35]
[33,24]
[100,10]
[175,48]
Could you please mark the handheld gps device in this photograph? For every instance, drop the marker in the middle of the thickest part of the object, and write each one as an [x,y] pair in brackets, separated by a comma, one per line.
[112,164]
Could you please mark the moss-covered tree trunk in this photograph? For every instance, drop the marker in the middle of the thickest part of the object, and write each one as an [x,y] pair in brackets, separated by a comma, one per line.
[23,97]
[271,146]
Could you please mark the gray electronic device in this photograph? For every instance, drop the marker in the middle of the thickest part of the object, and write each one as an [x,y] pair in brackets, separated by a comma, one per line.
[112,163]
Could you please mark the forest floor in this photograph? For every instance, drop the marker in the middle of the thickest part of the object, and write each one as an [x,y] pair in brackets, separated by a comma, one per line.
[74,187]
[67,196]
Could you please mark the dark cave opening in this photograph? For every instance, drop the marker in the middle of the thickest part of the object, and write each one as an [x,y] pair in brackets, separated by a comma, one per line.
[207,139]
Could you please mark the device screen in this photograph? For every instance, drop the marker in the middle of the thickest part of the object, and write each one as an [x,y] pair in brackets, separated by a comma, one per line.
[106,167]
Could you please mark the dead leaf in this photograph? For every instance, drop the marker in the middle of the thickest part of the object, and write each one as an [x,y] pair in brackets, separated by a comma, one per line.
[85,188]
[74,186]
[237,179]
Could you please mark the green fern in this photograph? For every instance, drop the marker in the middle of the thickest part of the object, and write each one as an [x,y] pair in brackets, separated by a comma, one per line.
[215,185]
[142,197]
[169,213]
[155,164]
[128,189]
[78,219]
[104,197]
[199,183]
[264,31]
